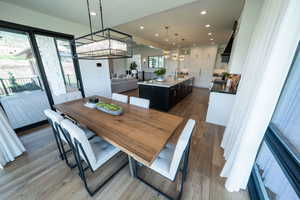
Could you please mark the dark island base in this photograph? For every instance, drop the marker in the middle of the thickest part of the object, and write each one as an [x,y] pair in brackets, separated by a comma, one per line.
[164,98]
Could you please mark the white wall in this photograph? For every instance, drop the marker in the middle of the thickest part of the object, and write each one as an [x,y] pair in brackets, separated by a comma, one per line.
[96,80]
[248,20]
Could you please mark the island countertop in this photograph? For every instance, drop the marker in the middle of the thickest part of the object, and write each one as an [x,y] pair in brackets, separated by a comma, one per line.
[167,83]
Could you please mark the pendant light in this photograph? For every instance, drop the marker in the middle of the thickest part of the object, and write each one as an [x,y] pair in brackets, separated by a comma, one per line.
[181,57]
[103,44]
[175,54]
[166,53]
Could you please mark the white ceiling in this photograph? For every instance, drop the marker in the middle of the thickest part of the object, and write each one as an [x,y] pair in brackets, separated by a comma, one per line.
[115,11]
[183,17]
[187,21]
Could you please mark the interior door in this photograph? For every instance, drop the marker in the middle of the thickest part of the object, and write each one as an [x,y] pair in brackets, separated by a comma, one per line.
[56,56]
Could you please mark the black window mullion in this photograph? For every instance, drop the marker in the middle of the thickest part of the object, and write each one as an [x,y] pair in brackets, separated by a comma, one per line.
[285,158]
[256,187]
[77,67]
[59,58]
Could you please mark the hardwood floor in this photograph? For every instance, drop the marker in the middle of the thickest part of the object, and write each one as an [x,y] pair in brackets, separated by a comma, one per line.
[40,174]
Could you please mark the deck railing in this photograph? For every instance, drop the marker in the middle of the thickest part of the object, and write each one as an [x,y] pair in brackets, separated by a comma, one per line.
[19,85]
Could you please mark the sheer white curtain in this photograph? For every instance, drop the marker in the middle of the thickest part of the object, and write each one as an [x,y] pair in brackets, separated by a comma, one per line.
[10,145]
[270,54]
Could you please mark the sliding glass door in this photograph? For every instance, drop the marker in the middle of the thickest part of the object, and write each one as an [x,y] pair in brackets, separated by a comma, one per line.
[37,70]
[59,68]
[22,93]
[276,174]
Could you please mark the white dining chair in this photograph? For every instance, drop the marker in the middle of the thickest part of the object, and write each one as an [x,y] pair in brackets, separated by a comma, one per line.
[95,152]
[140,102]
[54,120]
[168,161]
[120,97]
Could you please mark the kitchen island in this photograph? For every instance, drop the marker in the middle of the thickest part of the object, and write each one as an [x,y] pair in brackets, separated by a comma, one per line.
[164,95]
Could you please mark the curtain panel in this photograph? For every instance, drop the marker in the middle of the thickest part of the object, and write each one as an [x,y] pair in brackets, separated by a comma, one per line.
[10,144]
[265,69]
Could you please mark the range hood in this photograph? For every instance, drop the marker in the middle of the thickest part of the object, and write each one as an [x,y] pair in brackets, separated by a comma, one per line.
[226,54]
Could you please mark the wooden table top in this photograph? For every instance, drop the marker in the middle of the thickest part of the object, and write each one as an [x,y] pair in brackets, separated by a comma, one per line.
[141,133]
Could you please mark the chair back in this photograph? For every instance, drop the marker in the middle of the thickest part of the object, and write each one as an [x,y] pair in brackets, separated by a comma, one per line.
[141,102]
[78,135]
[54,119]
[181,145]
[120,97]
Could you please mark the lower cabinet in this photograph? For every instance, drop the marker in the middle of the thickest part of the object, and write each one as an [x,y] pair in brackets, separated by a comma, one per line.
[164,98]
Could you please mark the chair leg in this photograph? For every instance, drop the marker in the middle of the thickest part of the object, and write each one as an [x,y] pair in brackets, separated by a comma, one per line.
[65,152]
[83,177]
[59,147]
[159,191]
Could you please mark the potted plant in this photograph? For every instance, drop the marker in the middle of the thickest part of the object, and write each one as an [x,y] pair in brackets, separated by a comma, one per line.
[133,68]
[160,72]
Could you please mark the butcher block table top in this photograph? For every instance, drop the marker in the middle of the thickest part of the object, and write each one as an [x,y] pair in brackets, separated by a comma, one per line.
[141,133]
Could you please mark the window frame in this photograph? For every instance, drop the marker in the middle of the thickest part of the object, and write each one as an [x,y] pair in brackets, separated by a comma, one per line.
[159,56]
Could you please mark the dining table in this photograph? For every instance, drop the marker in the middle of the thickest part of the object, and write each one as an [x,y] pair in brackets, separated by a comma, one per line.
[139,132]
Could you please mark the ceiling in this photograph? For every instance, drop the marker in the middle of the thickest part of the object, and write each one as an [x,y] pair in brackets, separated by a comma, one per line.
[182,16]
[115,11]
[188,22]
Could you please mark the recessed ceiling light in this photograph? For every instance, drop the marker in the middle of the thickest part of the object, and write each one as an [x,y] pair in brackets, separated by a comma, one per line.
[142,27]
[93,13]
[211,39]
[209,33]
[174,43]
[167,40]
[203,12]
[207,25]
[156,34]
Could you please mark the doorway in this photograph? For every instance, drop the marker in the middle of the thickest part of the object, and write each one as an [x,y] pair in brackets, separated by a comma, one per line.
[37,70]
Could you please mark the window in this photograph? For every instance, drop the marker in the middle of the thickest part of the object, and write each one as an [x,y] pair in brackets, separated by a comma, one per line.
[156,61]
[67,65]
[277,169]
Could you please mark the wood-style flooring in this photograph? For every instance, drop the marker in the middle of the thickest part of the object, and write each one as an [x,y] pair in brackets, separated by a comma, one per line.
[40,174]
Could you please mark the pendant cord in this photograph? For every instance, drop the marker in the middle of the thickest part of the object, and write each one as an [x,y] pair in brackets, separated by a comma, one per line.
[90,20]
[101,15]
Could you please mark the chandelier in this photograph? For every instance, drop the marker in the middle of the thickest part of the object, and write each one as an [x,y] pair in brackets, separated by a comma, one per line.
[103,44]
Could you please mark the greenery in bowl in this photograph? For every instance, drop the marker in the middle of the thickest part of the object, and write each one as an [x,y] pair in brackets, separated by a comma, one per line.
[108,106]
[160,71]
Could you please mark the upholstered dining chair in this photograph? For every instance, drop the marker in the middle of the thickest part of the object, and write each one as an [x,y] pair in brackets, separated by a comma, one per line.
[95,152]
[54,120]
[120,97]
[168,161]
[140,102]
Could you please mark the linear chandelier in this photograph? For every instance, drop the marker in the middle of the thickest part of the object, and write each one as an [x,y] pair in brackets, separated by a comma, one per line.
[103,44]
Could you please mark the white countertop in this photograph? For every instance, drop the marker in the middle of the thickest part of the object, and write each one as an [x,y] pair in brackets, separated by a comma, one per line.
[166,83]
